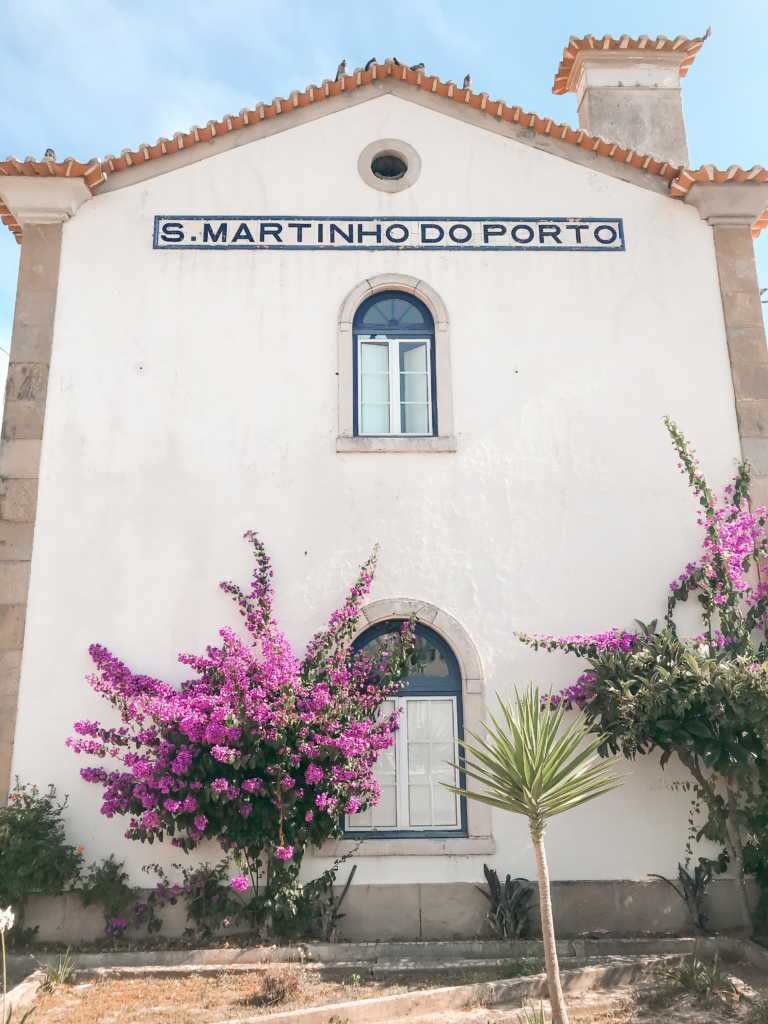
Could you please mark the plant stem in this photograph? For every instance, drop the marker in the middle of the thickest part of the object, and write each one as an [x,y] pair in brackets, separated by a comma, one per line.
[732,836]
[559,1012]
[732,825]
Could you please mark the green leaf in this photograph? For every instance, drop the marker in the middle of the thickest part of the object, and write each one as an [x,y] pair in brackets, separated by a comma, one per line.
[698,728]
[668,724]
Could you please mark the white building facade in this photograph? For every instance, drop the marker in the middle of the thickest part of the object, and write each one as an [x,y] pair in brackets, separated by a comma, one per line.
[384,310]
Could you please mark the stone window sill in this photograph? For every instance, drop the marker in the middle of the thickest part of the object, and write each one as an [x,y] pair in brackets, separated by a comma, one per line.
[459,847]
[396,444]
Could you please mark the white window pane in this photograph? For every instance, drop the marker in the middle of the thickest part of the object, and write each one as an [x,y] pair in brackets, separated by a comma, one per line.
[419,809]
[418,720]
[445,806]
[385,812]
[413,387]
[374,419]
[363,819]
[441,721]
[431,725]
[374,387]
[418,762]
[442,756]
[414,419]
[374,357]
[413,356]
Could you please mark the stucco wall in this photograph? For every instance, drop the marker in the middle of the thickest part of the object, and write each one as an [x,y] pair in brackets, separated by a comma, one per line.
[193,395]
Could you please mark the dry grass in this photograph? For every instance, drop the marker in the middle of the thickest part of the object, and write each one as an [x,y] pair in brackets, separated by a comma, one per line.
[198,1000]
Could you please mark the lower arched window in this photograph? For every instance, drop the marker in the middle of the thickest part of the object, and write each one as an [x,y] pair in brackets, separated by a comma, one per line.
[412,772]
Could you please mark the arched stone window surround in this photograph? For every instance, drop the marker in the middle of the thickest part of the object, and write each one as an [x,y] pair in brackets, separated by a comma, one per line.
[479,841]
[445,441]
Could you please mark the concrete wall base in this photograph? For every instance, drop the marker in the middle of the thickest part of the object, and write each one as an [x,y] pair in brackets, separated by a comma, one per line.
[386,913]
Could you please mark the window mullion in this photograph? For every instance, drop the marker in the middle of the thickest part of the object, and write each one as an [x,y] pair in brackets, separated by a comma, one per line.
[394,386]
[403,819]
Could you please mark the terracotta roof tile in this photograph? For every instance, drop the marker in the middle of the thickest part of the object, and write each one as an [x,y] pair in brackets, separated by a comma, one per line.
[95,172]
[688,46]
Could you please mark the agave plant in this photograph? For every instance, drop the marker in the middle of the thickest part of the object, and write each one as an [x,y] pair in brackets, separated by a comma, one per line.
[529,765]
[693,889]
[510,908]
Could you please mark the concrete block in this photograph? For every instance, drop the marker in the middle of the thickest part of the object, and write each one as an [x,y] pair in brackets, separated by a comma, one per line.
[16,540]
[26,381]
[12,618]
[743,308]
[733,241]
[35,308]
[752,415]
[64,919]
[23,420]
[14,582]
[39,266]
[746,344]
[381,912]
[20,458]
[637,906]
[750,380]
[729,201]
[31,342]
[18,500]
[756,450]
[451,911]
[737,273]
[10,672]
[758,496]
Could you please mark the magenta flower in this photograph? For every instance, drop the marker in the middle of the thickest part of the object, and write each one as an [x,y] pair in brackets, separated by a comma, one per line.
[240,884]
[250,704]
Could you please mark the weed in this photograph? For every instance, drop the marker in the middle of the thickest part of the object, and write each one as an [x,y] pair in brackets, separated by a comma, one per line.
[531,1017]
[703,980]
[522,968]
[62,973]
[355,980]
[21,1020]
[280,982]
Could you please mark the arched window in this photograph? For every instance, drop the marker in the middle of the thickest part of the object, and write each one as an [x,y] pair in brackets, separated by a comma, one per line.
[411,772]
[394,367]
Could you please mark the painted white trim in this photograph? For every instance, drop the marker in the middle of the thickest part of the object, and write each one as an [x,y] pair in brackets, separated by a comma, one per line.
[346,441]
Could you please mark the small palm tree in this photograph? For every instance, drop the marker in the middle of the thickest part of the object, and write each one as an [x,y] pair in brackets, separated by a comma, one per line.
[529,768]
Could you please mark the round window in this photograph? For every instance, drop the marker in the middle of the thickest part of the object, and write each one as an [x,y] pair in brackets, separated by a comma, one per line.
[389,167]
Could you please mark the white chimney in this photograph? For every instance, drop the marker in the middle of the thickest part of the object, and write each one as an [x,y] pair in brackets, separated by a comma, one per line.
[628,91]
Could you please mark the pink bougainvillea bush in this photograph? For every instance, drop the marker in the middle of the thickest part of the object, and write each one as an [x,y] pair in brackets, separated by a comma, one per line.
[261,750]
[702,699]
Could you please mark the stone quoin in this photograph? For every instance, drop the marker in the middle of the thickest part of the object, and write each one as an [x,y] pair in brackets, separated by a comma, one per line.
[453,328]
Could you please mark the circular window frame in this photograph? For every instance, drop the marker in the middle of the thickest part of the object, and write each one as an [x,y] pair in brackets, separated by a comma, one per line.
[389,147]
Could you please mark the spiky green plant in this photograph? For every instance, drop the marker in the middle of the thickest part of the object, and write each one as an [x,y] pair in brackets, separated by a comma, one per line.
[530,765]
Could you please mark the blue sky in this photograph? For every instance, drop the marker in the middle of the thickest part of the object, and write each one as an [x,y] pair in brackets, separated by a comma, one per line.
[91,77]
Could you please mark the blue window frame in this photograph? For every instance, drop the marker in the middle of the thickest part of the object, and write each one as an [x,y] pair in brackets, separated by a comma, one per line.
[393,359]
[413,802]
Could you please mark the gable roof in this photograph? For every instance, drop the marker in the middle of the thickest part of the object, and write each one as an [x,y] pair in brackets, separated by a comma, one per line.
[96,173]
[690,47]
